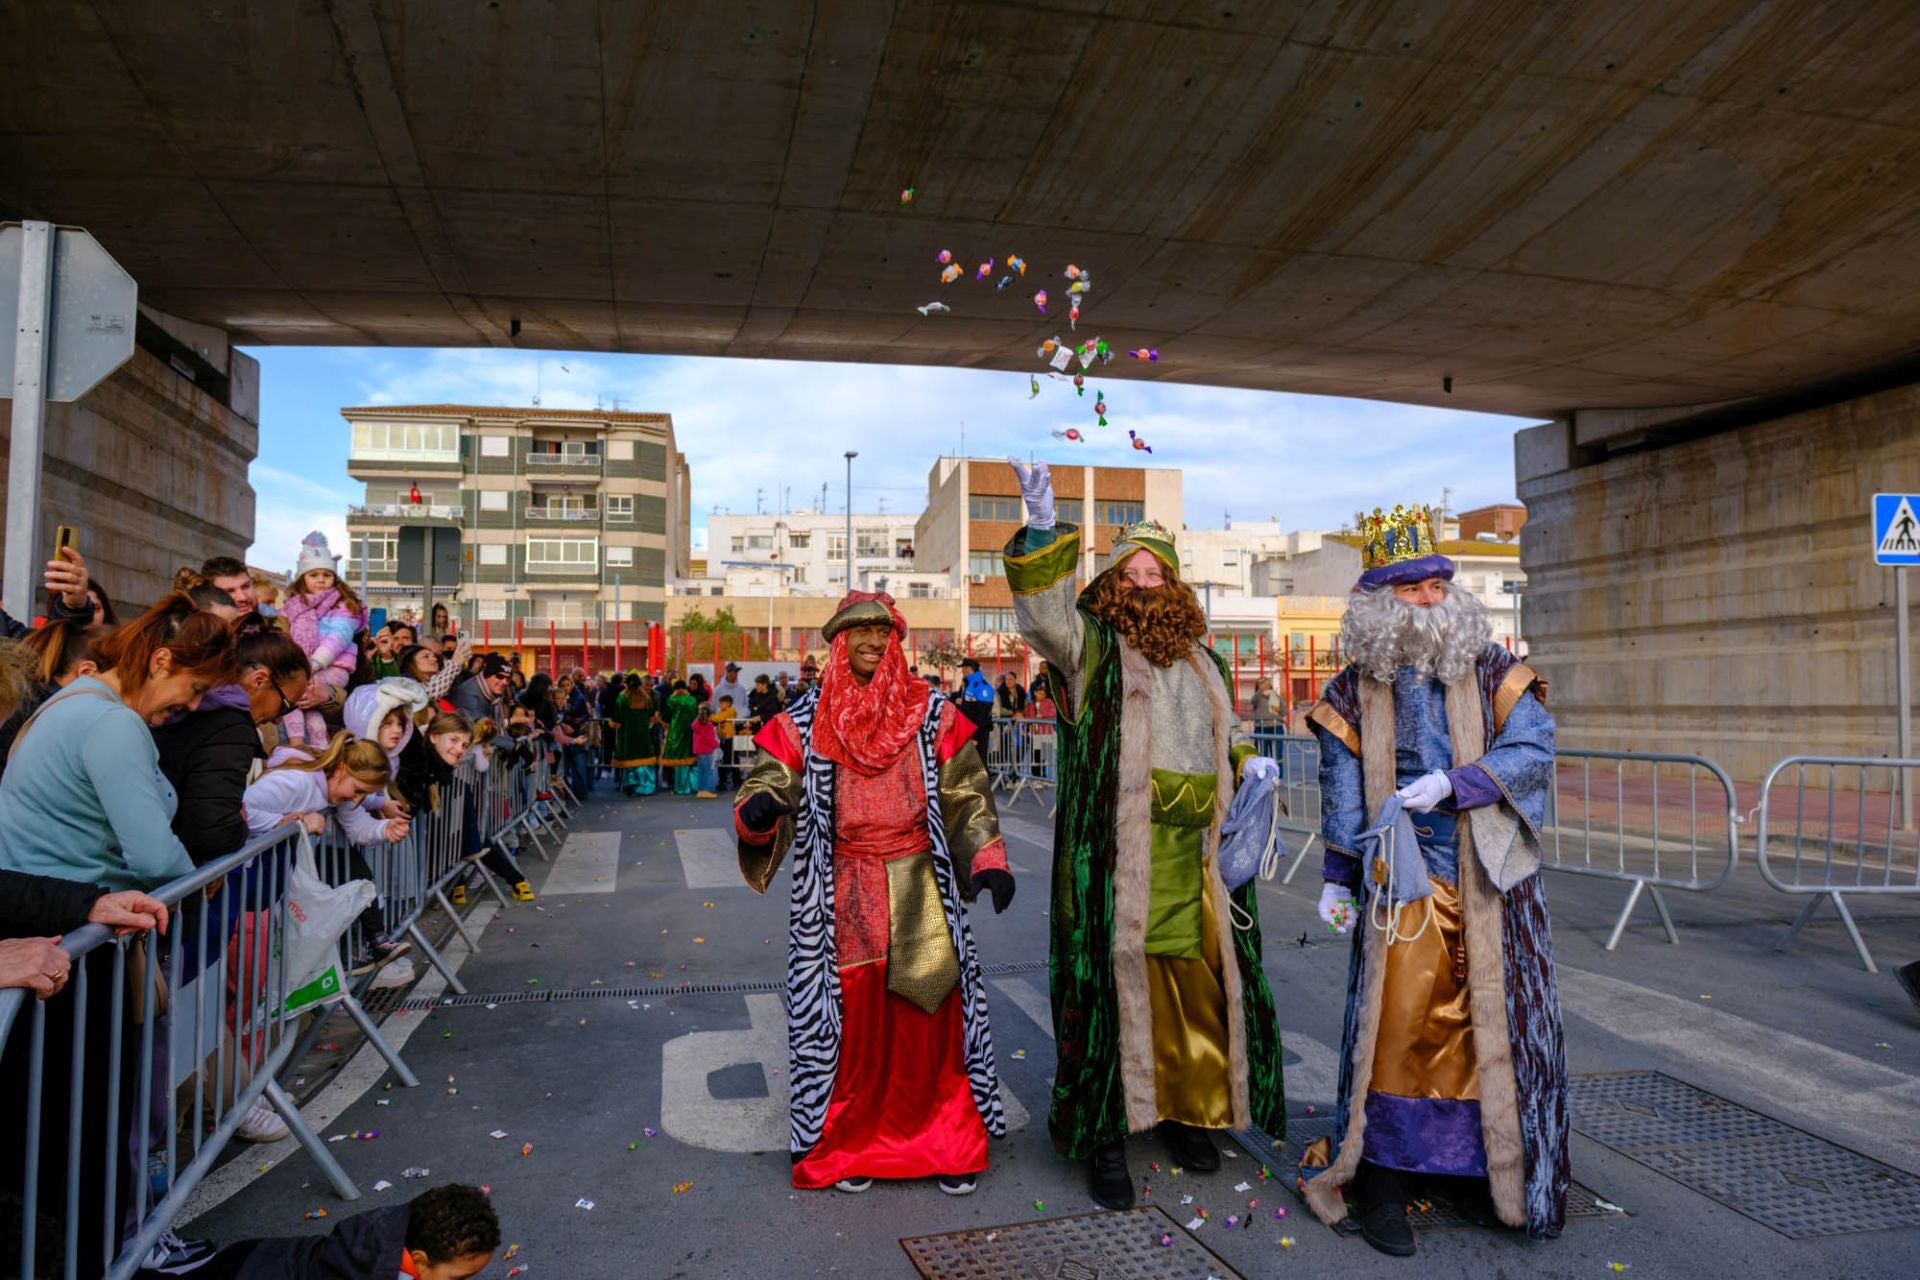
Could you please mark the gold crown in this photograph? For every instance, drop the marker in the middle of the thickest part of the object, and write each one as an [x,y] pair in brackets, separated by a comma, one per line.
[1394,537]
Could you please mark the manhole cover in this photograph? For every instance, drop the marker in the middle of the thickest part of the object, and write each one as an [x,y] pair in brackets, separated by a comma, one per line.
[1781,1177]
[1122,1245]
[1432,1211]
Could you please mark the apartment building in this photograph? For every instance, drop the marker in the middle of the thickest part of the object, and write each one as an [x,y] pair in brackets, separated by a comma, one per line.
[572,517]
[804,553]
[974,507]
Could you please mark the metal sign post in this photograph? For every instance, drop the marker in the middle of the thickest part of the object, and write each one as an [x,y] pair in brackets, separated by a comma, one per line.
[66,322]
[1896,542]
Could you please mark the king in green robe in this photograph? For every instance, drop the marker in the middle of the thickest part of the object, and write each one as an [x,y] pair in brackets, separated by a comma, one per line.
[1162,1015]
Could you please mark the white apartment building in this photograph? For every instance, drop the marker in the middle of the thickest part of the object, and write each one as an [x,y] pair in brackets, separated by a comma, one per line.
[804,553]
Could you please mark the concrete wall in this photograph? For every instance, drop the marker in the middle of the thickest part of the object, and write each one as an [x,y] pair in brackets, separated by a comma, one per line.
[152,473]
[1718,596]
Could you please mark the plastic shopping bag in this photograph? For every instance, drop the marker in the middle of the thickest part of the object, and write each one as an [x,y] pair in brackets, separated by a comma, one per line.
[317,915]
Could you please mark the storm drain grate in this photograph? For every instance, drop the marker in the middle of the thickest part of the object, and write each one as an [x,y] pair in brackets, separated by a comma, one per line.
[1081,1246]
[420,1004]
[1431,1211]
[1781,1177]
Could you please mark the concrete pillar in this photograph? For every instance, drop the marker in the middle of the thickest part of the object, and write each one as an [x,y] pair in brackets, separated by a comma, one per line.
[1717,596]
[152,473]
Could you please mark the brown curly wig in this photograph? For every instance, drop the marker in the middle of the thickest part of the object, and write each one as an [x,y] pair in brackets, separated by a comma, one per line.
[1164,623]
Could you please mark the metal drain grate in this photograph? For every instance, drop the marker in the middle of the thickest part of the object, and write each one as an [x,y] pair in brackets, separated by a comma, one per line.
[1781,1177]
[1082,1246]
[1438,1213]
[419,1004]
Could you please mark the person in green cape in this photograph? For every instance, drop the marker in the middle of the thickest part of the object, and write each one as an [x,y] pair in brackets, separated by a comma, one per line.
[676,753]
[636,747]
[1162,1015]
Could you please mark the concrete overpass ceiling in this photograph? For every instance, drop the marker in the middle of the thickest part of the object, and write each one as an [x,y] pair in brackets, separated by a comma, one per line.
[1614,203]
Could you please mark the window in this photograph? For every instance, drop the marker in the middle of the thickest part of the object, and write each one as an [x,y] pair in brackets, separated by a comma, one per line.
[800,574]
[836,546]
[492,610]
[800,541]
[1120,512]
[620,450]
[493,553]
[553,554]
[377,548]
[870,544]
[759,542]
[903,548]
[494,447]
[619,556]
[617,612]
[407,441]
[716,591]
[919,591]
[493,499]
[739,545]
[982,507]
[986,564]
[1068,509]
[991,620]
[620,507]
[577,451]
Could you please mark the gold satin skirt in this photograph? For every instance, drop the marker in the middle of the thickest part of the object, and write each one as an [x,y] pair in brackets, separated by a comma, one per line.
[1425,1048]
[1191,1078]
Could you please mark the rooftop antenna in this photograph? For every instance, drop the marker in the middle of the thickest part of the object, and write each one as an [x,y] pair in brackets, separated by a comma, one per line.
[759,506]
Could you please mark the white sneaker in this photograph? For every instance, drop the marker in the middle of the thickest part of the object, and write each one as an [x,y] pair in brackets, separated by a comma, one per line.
[396,973]
[853,1186]
[263,1124]
[173,1255]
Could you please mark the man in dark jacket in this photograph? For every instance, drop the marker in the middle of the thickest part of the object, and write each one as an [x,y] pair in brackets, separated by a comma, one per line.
[448,1233]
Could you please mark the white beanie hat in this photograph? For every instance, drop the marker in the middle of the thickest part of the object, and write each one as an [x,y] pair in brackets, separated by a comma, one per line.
[314,555]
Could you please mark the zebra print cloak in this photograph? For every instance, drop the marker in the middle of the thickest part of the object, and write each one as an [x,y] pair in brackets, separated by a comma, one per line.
[813,976]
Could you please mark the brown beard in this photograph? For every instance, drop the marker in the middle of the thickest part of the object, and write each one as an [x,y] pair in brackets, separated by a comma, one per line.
[1161,622]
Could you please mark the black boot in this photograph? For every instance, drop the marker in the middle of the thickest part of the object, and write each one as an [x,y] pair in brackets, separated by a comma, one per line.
[1191,1147]
[1383,1211]
[1909,976]
[1108,1180]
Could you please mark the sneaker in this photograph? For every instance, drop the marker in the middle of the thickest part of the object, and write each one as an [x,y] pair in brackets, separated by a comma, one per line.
[174,1255]
[380,953]
[958,1184]
[853,1186]
[458,895]
[397,973]
[523,892]
[263,1124]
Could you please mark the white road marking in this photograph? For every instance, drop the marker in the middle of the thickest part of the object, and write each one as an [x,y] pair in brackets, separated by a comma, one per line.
[589,862]
[362,1072]
[709,858]
[691,1114]
[1029,1000]
[1800,1081]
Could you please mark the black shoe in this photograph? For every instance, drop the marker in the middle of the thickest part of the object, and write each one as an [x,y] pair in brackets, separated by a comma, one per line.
[1909,976]
[1474,1201]
[959,1184]
[1383,1211]
[1108,1180]
[1191,1147]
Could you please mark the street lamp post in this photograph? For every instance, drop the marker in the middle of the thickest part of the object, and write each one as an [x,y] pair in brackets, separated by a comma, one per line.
[851,455]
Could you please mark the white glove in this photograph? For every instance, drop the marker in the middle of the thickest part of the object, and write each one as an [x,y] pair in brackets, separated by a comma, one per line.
[1423,793]
[1338,910]
[1036,487]
[1259,769]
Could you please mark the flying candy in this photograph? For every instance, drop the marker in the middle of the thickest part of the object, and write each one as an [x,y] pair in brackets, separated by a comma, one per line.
[951,274]
[1046,348]
[1145,353]
[946,256]
[1138,443]
[1079,384]
[1004,282]
[1017,263]
[1082,285]
[906,196]
[1100,403]
[1072,272]
[933,308]
[1035,384]
[1073,316]
[984,270]
[1071,433]
[1040,301]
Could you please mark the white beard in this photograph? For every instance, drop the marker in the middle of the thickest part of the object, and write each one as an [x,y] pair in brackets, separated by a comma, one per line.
[1382,633]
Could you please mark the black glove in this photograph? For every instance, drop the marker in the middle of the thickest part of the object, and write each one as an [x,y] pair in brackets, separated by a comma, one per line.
[762,811]
[996,882]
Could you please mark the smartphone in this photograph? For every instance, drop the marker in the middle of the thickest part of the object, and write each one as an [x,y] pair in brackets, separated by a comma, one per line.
[62,539]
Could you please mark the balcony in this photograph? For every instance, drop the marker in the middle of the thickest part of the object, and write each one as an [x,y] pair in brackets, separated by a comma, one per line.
[589,572]
[375,568]
[408,511]
[540,462]
[561,514]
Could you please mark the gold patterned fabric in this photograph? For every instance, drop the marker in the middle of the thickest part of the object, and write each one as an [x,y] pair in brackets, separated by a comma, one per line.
[921,964]
[1426,1030]
[1189,1003]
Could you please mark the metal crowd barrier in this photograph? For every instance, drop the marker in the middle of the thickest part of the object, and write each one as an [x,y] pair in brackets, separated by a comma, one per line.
[1653,834]
[1848,836]
[1022,755]
[150,1097]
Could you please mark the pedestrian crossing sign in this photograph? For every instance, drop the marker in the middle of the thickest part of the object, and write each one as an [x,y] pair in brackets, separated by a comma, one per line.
[1896,528]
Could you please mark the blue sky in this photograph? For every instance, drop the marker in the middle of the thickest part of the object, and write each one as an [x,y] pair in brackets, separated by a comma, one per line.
[747,425]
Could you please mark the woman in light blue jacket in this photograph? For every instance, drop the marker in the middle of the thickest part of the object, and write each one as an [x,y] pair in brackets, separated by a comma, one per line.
[83,797]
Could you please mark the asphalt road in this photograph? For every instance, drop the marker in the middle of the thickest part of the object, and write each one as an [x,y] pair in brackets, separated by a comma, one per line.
[644,898]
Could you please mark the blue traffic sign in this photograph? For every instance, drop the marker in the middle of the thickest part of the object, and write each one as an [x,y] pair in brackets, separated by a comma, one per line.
[1896,528]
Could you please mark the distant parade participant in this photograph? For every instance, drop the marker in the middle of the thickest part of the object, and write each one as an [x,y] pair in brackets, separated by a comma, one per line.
[877,786]
[1453,1066]
[1161,1013]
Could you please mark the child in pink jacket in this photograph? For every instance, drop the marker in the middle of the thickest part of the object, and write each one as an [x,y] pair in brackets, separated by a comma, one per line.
[322,617]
